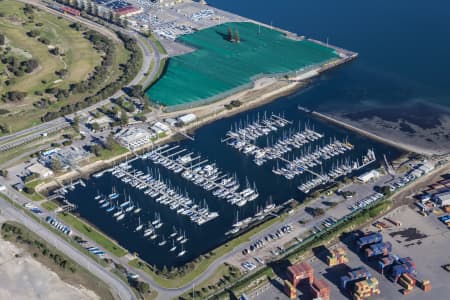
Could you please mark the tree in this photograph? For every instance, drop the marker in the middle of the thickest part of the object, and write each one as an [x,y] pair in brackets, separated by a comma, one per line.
[123,117]
[56,165]
[110,142]
[135,91]
[2,39]
[4,173]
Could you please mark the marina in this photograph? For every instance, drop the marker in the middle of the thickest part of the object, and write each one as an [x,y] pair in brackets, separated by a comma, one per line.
[203,174]
[180,200]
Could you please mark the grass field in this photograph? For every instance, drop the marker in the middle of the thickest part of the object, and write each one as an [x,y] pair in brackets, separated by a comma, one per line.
[93,234]
[80,59]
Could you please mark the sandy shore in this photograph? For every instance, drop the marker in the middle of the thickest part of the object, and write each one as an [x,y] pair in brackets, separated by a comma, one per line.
[23,277]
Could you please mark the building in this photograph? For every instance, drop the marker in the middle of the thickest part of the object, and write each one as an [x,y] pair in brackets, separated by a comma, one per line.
[368,176]
[442,199]
[19,186]
[128,11]
[40,169]
[70,10]
[2,188]
[134,137]
[160,127]
[187,119]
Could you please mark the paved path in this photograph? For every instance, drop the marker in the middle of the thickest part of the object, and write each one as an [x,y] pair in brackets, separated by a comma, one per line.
[118,287]
[149,51]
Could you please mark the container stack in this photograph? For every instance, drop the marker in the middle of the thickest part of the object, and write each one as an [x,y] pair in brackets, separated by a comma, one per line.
[386,261]
[360,273]
[407,281]
[382,248]
[425,285]
[401,266]
[320,289]
[337,256]
[369,239]
[290,290]
[300,271]
[365,289]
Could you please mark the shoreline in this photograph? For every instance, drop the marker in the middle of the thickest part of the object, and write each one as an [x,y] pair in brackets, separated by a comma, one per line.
[264,91]
[373,136]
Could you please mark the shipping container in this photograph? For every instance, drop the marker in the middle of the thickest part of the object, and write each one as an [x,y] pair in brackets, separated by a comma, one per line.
[378,249]
[371,238]
[354,275]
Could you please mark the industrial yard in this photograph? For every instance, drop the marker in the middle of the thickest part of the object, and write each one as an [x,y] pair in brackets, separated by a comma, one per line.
[420,242]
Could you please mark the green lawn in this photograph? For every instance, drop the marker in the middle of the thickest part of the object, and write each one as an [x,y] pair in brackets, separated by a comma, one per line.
[93,234]
[49,205]
[80,59]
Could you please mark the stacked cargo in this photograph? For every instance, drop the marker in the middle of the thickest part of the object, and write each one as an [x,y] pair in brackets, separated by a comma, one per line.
[290,290]
[365,289]
[320,289]
[407,281]
[425,285]
[368,239]
[401,266]
[386,261]
[360,273]
[377,249]
[337,256]
[300,271]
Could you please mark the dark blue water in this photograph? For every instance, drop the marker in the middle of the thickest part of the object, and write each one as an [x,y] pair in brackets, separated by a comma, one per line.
[404,47]
[207,143]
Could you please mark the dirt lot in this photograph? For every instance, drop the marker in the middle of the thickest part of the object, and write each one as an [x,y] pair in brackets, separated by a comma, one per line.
[22,277]
[424,239]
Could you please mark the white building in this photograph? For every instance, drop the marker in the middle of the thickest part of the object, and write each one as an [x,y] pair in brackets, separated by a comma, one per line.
[369,176]
[41,170]
[186,119]
[134,137]
[442,199]
[160,127]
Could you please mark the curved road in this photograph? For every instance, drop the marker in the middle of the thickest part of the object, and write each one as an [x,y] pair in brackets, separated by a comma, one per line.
[149,52]
[118,286]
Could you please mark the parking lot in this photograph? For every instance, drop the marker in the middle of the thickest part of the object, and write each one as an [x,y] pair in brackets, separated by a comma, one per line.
[424,239]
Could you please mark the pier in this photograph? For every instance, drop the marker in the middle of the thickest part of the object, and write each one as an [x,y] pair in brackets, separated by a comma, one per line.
[206,175]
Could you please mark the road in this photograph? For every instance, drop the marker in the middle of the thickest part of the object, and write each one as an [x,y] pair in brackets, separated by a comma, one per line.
[148,49]
[118,287]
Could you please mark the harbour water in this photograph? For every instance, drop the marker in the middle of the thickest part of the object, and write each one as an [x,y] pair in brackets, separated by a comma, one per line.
[403,47]
[208,144]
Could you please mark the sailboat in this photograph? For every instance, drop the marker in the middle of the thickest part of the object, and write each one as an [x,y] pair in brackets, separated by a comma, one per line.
[137,209]
[182,252]
[120,216]
[185,239]
[98,196]
[173,246]
[131,206]
[163,241]
[149,230]
[140,226]
[237,223]
[174,233]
